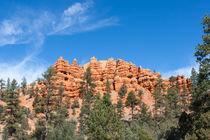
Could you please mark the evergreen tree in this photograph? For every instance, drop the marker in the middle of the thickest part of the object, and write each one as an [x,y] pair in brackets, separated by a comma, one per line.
[23,86]
[75,105]
[103,122]
[195,125]
[172,100]
[31,90]
[108,89]
[200,96]
[122,91]
[120,107]
[48,101]
[2,88]
[200,103]
[193,77]
[67,131]
[2,110]
[60,94]
[184,99]
[87,94]
[61,109]
[39,132]
[144,117]
[131,102]
[158,97]
[13,113]
[201,128]
[137,132]
[37,102]
[8,84]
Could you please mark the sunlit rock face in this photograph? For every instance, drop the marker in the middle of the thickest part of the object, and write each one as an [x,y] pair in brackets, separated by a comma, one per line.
[117,72]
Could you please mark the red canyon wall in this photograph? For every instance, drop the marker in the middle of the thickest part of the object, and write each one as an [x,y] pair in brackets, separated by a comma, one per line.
[117,72]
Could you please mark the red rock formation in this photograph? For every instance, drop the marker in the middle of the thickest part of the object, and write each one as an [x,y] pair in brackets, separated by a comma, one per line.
[117,72]
[69,76]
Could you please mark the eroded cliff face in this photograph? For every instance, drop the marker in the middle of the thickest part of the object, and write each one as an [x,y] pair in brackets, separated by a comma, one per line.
[117,72]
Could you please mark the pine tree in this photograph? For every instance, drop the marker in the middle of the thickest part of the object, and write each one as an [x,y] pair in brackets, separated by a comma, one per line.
[13,113]
[2,88]
[75,105]
[122,91]
[200,96]
[108,89]
[184,99]
[200,103]
[48,102]
[140,93]
[120,109]
[193,77]
[87,94]
[61,109]
[131,102]
[23,86]
[58,115]
[120,106]
[158,97]
[137,132]
[172,100]
[67,131]
[37,102]
[103,122]
[2,110]
[31,90]
[144,117]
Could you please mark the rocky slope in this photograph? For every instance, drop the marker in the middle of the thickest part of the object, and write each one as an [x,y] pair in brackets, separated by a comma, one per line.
[117,72]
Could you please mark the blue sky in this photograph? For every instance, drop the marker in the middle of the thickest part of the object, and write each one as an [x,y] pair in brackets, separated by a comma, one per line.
[160,35]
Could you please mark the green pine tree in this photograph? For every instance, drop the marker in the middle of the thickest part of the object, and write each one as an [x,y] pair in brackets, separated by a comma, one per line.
[108,89]
[87,94]
[159,98]
[24,86]
[193,77]
[131,102]
[13,114]
[200,96]
[61,109]
[122,91]
[120,105]
[2,89]
[47,102]
[67,131]
[75,105]
[103,122]
[200,104]
[172,101]
[144,117]
[184,99]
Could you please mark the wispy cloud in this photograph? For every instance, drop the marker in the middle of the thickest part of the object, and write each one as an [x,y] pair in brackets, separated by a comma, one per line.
[28,68]
[186,71]
[34,26]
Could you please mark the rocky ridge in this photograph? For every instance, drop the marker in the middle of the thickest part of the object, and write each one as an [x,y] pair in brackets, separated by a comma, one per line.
[117,72]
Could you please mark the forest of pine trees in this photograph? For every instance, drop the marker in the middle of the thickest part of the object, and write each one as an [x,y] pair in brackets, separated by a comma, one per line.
[177,114]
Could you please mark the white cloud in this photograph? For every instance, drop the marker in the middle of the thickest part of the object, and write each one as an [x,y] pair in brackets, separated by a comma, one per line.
[26,68]
[73,16]
[33,26]
[186,71]
[25,30]
[77,18]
